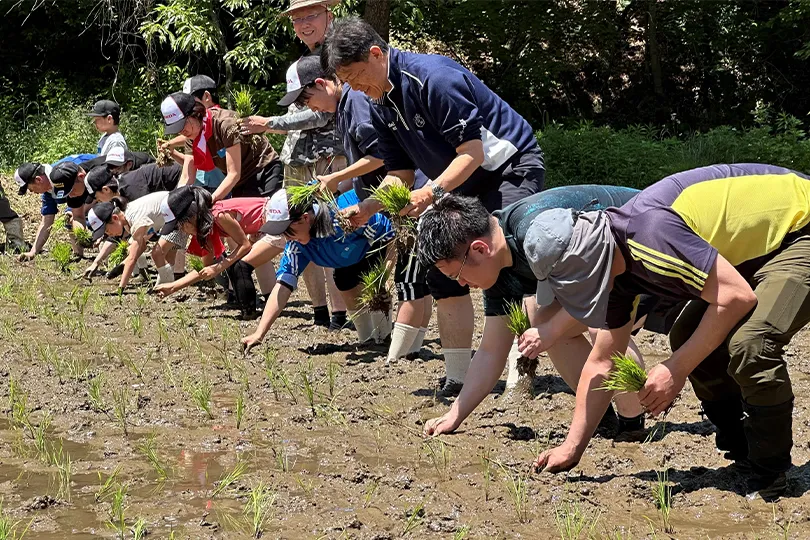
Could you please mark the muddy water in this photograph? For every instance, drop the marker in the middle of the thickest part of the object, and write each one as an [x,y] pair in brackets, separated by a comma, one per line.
[358,467]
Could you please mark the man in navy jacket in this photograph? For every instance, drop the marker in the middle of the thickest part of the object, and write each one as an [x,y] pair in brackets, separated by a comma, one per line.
[431,113]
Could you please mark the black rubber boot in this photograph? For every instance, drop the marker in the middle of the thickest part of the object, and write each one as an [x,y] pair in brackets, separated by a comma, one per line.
[727,417]
[769,431]
[609,424]
[241,276]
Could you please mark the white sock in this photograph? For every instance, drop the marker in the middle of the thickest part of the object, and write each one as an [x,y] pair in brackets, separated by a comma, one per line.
[165,274]
[364,325]
[418,341]
[141,263]
[382,325]
[401,340]
[512,373]
[456,364]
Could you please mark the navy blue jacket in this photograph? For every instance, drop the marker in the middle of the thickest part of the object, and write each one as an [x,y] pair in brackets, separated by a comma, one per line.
[435,105]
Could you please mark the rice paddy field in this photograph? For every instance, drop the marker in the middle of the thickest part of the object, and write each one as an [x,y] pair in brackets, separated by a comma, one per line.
[131,417]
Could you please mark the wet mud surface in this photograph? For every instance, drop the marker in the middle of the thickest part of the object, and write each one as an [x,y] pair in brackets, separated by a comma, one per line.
[331,433]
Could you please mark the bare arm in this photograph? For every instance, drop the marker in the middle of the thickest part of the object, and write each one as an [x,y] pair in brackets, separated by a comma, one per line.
[234,231]
[485,370]
[233,159]
[361,213]
[730,298]
[189,173]
[360,167]
[43,233]
[275,305]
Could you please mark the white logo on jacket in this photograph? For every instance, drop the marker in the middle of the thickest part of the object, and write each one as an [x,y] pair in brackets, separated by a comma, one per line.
[419,121]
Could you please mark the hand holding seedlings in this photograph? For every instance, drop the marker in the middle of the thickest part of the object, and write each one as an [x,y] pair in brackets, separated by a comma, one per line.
[662,386]
[532,342]
[420,199]
[358,215]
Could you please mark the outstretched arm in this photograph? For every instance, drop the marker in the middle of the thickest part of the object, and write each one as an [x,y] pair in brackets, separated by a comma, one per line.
[275,305]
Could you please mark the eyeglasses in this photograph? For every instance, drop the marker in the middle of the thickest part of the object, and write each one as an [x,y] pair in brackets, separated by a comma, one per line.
[308,18]
[463,262]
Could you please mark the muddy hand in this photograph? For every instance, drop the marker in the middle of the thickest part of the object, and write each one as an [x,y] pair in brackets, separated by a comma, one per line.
[249,342]
[446,423]
[163,290]
[558,459]
[662,387]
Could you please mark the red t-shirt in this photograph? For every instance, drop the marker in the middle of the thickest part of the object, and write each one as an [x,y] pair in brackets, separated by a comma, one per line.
[247,211]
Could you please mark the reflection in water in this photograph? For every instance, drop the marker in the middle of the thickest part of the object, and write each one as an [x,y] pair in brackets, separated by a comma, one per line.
[201,469]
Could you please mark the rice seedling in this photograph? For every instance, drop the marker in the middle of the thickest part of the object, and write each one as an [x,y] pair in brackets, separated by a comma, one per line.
[18,403]
[279,379]
[518,490]
[303,195]
[626,376]
[195,263]
[61,253]
[12,530]
[128,362]
[240,408]
[121,407]
[375,294]
[163,155]
[109,485]
[282,458]
[488,471]
[229,478]
[572,521]
[148,449]
[140,298]
[662,497]
[60,223]
[200,394]
[393,198]
[119,254]
[415,516]
[40,442]
[117,518]
[307,388]
[61,460]
[258,508]
[461,533]
[332,372]
[136,324]
[83,236]
[139,531]
[439,454]
[9,331]
[76,368]
[307,485]
[7,290]
[163,333]
[370,492]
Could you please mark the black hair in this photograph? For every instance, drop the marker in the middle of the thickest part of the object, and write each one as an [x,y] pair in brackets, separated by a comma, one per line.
[198,212]
[212,91]
[449,226]
[322,225]
[119,203]
[104,211]
[116,116]
[198,111]
[348,41]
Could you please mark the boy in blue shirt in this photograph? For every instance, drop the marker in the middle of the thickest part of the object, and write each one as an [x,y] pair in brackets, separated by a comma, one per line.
[322,93]
[313,236]
[431,113]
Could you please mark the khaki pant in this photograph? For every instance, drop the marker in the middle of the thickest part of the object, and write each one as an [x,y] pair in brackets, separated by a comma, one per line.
[295,175]
[744,384]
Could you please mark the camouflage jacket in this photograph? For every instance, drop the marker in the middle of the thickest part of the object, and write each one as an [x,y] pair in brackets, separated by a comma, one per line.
[310,136]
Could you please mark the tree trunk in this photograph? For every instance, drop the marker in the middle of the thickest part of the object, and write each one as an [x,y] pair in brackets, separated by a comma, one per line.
[222,48]
[377,14]
[652,49]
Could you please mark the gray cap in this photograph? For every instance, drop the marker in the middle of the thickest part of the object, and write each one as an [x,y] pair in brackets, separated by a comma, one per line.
[571,256]
[198,82]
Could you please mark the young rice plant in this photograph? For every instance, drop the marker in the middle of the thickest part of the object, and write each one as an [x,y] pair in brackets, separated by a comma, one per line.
[394,197]
[374,294]
[626,376]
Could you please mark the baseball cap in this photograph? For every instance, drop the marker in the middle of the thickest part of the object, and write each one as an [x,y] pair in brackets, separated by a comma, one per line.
[175,205]
[117,156]
[300,75]
[63,177]
[98,217]
[175,109]
[105,107]
[27,173]
[96,179]
[198,82]
[571,254]
[276,214]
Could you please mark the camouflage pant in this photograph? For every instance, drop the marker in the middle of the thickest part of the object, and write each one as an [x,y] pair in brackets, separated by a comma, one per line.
[295,175]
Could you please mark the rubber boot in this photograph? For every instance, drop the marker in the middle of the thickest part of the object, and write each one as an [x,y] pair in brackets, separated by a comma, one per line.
[769,431]
[15,243]
[727,417]
[241,276]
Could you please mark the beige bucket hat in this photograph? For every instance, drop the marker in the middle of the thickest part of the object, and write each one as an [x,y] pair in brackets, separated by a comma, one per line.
[298,4]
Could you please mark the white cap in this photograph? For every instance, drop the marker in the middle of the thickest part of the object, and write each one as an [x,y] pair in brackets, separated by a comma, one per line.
[117,156]
[276,214]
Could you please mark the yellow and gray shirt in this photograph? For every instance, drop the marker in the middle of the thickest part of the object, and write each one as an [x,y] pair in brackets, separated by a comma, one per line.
[670,233]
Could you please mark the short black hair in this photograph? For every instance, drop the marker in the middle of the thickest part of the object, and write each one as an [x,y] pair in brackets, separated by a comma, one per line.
[212,91]
[348,41]
[449,226]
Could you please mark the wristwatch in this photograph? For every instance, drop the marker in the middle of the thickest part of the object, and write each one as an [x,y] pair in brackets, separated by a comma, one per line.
[437,190]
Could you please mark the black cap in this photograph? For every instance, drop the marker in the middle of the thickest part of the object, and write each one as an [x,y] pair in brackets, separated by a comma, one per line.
[105,108]
[63,177]
[175,109]
[25,174]
[198,82]
[300,75]
[98,217]
[97,178]
[176,207]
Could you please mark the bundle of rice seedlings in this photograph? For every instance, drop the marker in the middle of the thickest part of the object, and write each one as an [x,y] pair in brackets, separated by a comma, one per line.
[243,105]
[83,236]
[61,253]
[303,195]
[196,263]
[163,155]
[375,295]
[626,376]
[393,198]
[60,222]
[119,254]
[517,320]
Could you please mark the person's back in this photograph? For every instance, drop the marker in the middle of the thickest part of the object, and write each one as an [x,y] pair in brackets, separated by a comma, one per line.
[148,179]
